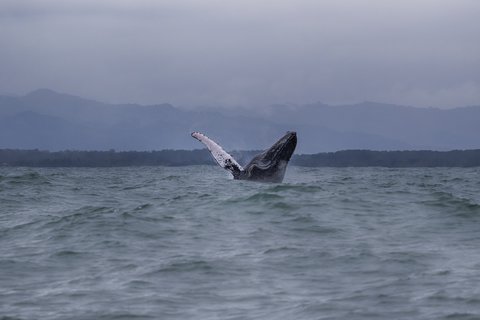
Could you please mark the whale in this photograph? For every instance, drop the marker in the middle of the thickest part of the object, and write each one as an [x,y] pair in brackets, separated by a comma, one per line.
[268,166]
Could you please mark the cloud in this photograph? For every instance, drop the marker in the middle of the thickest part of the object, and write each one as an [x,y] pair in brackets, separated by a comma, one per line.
[193,52]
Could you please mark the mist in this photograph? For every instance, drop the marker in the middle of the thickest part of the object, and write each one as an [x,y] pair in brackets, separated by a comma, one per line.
[244,53]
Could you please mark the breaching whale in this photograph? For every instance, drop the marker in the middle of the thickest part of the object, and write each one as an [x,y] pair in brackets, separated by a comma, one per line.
[268,166]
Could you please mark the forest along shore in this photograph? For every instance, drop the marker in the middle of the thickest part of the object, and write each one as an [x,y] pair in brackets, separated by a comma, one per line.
[347,158]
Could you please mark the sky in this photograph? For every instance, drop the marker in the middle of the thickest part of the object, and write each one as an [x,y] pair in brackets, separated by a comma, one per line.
[244,52]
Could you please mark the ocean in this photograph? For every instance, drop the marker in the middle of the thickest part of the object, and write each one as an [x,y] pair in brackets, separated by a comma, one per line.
[191,243]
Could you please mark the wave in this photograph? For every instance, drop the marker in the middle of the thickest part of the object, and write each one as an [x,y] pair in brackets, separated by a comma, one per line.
[28,178]
[183,266]
[264,196]
[301,188]
[281,250]
[78,216]
[10,318]
[67,253]
[460,205]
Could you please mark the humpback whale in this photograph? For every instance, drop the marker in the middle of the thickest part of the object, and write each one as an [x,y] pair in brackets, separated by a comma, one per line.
[268,166]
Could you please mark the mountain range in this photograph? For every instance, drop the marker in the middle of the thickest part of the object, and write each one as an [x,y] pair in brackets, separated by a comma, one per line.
[53,121]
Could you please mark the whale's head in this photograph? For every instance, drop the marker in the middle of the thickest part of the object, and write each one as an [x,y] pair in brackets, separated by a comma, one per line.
[271,164]
[283,149]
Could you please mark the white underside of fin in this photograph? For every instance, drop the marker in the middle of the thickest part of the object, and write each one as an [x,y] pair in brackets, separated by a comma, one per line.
[221,156]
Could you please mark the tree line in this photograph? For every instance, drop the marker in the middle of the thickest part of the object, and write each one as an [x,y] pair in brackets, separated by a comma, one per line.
[392,159]
[348,158]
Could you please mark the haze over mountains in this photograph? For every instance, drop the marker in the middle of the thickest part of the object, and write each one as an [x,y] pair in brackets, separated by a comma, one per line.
[47,120]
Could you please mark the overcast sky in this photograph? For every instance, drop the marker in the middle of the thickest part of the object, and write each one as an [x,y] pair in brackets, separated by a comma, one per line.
[245,52]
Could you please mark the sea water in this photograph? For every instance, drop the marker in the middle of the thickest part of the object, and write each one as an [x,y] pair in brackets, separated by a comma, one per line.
[191,243]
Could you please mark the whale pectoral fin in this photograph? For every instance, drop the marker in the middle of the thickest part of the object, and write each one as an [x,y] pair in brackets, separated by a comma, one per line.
[224,159]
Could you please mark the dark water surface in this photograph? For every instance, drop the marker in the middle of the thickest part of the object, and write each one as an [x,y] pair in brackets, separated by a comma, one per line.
[189,243]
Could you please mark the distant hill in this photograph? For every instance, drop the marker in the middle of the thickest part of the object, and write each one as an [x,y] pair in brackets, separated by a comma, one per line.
[48,120]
